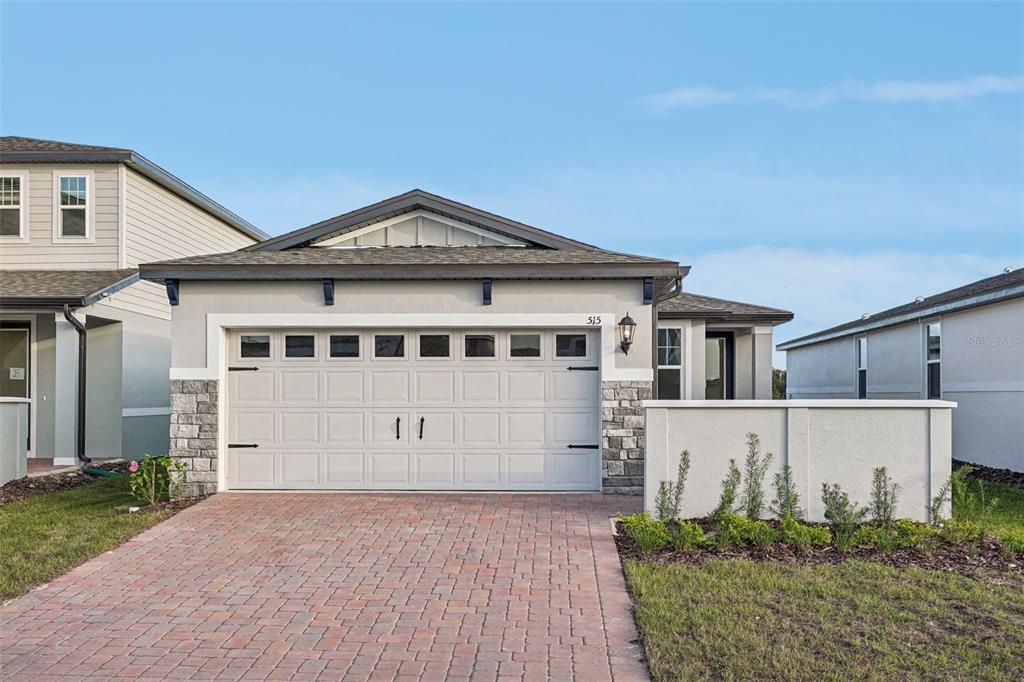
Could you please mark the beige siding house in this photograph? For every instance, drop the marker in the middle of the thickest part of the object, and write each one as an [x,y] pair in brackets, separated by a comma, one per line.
[965,345]
[423,344]
[76,221]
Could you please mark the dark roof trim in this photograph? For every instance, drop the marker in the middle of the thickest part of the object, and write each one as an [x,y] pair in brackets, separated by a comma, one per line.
[411,201]
[157,272]
[145,167]
[58,302]
[869,324]
[717,316]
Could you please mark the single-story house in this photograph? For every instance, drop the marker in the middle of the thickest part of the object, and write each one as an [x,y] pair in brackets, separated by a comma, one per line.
[964,345]
[424,344]
[84,343]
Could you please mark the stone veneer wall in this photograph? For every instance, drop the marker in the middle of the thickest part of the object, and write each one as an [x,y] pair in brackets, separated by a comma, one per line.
[194,433]
[622,419]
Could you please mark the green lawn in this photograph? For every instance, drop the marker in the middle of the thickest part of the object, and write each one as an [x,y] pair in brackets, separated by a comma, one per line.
[757,621]
[1008,518]
[44,536]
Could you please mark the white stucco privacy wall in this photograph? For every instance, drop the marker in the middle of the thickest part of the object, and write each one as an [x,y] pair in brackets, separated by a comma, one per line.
[13,432]
[824,441]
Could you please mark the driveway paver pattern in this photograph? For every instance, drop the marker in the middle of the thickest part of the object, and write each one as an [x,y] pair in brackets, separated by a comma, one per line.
[343,587]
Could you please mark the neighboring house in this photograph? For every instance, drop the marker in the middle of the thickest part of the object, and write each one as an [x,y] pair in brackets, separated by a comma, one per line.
[75,222]
[423,344]
[965,345]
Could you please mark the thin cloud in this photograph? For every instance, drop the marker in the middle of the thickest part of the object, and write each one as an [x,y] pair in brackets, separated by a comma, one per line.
[882,92]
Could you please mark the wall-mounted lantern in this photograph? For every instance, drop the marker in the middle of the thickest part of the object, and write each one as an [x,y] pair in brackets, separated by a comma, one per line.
[627,329]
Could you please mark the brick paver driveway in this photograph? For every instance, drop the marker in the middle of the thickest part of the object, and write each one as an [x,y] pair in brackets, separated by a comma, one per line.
[340,587]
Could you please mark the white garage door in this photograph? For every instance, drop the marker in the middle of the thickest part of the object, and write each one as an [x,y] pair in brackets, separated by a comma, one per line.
[414,409]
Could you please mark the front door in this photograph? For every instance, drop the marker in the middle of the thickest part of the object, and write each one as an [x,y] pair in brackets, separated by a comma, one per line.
[15,379]
[718,368]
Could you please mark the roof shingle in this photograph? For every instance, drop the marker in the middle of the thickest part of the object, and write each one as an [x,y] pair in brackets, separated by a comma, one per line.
[57,287]
[688,305]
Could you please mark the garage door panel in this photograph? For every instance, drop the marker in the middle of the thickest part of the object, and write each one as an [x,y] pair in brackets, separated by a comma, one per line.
[480,428]
[525,387]
[252,426]
[436,386]
[344,386]
[252,469]
[344,469]
[526,467]
[299,427]
[525,428]
[571,470]
[481,468]
[435,469]
[574,387]
[390,469]
[438,428]
[344,427]
[299,386]
[573,427]
[251,388]
[299,469]
[389,428]
[481,387]
[389,386]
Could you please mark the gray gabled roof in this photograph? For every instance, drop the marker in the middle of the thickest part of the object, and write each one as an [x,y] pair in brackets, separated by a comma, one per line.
[412,262]
[56,288]
[15,149]
[687,305]
[984,291]
[413,200]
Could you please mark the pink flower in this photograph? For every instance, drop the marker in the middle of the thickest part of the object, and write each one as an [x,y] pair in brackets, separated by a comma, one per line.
[133,467]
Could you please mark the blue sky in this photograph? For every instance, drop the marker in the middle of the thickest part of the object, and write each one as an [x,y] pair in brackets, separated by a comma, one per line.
[829,158]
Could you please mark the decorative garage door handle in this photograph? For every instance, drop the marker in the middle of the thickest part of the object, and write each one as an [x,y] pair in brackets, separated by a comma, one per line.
[421,427]
[243,445]
[398,428]
[582,447]
[589,368]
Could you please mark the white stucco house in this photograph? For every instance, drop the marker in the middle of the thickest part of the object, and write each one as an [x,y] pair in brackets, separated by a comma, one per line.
[965,345]
[75,223]
[423,344]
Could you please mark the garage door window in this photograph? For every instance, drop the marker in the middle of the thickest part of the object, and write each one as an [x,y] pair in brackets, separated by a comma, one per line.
[434,346]
[524,345]
[571,345]
[479,345]
[255,346]
[344,346]
[389,346]
[299,346]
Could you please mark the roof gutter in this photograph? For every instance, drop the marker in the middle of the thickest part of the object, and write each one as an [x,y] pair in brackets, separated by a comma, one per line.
[80,402]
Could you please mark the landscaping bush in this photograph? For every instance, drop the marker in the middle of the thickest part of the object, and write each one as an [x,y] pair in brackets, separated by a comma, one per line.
[739,531]
[960,532]
[883,497]
[670,495]
[685,535]
[648,534]
[901,534]
[155,479]
[801,537]
[787,501]
[1012,543]
[752,499]
[727,502]
[843,516]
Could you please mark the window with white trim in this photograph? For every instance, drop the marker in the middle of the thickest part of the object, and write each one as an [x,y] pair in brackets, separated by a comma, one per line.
[933,358]
[73,206]
[12,198]
[862,367]
[670,363]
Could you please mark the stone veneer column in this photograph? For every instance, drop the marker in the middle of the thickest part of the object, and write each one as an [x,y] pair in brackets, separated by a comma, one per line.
[622,418]
[194,433]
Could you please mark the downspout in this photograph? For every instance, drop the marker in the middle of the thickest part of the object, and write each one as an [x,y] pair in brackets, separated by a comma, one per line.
[667,292]
[80,403]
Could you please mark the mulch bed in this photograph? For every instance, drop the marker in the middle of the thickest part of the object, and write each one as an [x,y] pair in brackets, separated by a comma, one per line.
[1014,479]
[41,485]
[987,562]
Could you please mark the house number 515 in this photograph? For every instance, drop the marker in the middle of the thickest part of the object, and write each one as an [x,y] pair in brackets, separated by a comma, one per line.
[594,319]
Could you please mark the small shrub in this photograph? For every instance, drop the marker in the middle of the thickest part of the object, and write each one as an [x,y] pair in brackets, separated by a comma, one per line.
[739,531]
[935,508]
[648,534]
[685,534]
[670,495]
[787,501]
[913,535]
[727,502]
[960,532]
[155,479]
[752,499]
[971,501]
[801,537]
[883,497]
[1012,544]
[879,537]
[843,516]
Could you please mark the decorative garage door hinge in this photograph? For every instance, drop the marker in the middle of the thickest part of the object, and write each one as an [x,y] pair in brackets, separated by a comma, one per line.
[243,445]
[589,368]
[582,447]
[243,369]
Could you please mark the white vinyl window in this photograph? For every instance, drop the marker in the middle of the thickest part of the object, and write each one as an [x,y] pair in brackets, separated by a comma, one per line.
[933,358]
[670,363]
[13,203]
[73,213]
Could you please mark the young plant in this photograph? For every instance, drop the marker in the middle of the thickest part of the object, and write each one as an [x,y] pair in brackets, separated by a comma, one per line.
[787,501]
[938,502]
[686,534]
[971,501]
[670,495]
[883,497]
[648,534]
[800,537]
[843,516]
[727,502]
[739,531]
[752,499]
[155,479]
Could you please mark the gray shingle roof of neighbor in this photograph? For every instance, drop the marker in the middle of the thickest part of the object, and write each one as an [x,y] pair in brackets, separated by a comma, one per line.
[412,262]
[999,287]
[688,305]
[59,287]
[16,149]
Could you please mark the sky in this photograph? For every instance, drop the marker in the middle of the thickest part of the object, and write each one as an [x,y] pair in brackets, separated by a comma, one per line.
[827,158]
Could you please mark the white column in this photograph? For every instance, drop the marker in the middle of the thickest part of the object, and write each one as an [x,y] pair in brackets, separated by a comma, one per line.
[65,395]
[761,354]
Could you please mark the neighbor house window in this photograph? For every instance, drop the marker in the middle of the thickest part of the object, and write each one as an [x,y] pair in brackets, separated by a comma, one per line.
[933,358]
[670,361]
[12,197]
[73,206]
[862,367]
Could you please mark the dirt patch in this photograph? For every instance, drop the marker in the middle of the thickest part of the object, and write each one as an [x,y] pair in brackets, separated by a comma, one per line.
[983,561]
[41,485]
[173,506]
[1014,479]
